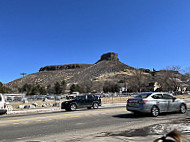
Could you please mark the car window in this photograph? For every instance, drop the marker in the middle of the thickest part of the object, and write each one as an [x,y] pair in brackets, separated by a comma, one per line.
[83,97]
[80,98]
[144,95]
[90,97]
[167,96]
[157,96]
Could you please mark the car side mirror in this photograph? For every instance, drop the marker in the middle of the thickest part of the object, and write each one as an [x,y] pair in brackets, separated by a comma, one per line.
[174,98]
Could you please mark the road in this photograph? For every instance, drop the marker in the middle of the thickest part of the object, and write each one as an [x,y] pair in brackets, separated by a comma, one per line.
[81,125]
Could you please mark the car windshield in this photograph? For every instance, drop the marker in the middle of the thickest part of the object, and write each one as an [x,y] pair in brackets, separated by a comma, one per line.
[142,96]
[77,98]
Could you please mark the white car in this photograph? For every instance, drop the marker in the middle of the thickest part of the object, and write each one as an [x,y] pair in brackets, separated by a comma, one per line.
[3,108]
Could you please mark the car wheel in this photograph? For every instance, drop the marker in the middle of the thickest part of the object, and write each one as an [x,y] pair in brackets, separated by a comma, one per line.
[95,105]
[154,111]
[183,108]
[73,107]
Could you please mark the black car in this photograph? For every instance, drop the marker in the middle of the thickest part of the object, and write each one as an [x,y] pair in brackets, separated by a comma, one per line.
[88,101]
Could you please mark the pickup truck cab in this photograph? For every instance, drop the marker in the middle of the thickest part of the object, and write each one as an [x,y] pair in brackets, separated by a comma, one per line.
[3,108]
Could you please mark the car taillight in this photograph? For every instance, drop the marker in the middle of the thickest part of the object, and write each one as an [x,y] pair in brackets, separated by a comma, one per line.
[142,102]
[4,105]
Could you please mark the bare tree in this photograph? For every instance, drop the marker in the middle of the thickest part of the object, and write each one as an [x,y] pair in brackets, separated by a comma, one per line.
[186,78]
[86,86]
[136,82]
[170,78]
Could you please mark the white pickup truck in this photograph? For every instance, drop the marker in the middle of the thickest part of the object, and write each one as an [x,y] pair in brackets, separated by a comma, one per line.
[3,108]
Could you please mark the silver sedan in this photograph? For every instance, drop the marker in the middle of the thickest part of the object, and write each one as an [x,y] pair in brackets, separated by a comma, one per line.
[155,103]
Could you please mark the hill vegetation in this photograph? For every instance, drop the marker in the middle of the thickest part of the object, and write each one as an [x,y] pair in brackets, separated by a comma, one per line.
[108,74]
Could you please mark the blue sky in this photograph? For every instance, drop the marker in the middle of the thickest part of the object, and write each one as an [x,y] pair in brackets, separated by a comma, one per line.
[144,33]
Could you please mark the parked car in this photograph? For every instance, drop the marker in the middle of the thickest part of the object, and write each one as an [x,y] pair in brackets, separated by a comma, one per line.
[82,101]
[3,108]
[155,103]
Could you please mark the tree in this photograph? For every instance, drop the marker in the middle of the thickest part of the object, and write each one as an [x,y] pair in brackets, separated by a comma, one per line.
[50,90]
[26,88]
[4,89]
[23,74]
[136,82]
[170,79]
[63,86]
[57,88]
[42,90]
[34,91]
[110,87]
[75,88]
[31,89]
[86,86]
[186,77]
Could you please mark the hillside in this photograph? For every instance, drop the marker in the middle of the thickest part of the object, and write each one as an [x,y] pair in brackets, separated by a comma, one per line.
[106,70]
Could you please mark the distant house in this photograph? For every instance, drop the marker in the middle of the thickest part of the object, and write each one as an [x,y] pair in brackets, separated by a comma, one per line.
[156,86]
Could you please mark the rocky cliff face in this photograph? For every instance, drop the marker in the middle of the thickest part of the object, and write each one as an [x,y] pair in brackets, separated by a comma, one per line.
[64,67]
[109,57]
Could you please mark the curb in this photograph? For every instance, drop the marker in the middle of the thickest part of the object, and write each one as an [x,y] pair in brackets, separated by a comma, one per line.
[27,111]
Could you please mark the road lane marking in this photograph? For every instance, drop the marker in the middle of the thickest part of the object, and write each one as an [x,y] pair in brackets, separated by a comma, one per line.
[2,125]
[39,120]
[25,122]
[16,123]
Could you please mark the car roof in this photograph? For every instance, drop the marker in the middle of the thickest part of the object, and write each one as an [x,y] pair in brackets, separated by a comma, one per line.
[153,93]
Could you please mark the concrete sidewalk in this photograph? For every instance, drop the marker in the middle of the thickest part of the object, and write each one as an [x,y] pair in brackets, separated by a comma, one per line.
[57,109]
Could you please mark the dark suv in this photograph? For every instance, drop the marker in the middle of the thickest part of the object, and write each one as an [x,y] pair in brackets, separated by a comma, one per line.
[88,101]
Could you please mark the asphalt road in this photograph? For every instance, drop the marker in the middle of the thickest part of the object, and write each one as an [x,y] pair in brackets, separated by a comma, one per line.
[75,126]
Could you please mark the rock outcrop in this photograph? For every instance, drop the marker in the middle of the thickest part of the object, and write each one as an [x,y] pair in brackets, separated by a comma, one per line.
[64,67]
[109,57]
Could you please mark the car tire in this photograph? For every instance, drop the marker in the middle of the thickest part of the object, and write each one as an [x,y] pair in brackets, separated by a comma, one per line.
[88,107]
[95,105]
[73,107]
[183,108]
[155,111]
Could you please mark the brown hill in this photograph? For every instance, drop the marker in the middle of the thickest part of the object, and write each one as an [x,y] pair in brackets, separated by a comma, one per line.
[72,73]
[107,70]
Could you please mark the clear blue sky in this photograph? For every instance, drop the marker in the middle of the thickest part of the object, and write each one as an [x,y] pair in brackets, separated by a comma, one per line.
[144,33]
